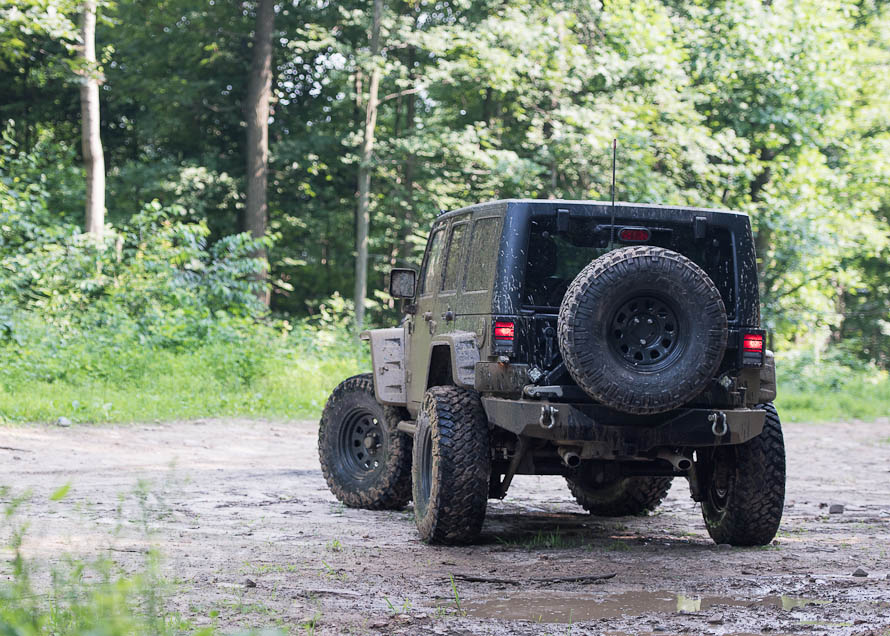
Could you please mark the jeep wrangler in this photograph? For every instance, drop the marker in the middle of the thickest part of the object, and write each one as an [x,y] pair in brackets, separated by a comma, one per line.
[618,346]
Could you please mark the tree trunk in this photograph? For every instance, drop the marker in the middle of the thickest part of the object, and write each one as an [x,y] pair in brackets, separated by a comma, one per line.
[259,95]
[363,216]
[91,142]
[404,247]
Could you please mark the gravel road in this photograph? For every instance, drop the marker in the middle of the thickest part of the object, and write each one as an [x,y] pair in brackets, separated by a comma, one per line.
[252,537]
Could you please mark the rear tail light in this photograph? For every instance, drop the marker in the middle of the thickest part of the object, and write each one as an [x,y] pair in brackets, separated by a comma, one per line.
[634,235]
[753,342]
[503,330]
[752,348]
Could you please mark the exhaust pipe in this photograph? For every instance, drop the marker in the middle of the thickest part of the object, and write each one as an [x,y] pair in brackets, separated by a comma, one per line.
[680,463]
[570,456]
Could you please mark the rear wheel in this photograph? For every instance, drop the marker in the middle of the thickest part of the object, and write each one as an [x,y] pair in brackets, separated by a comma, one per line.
[620,497]
[364,458]
[744,486]
[451,466]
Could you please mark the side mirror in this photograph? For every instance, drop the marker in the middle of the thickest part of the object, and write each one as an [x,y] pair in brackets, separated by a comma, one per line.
[402,283]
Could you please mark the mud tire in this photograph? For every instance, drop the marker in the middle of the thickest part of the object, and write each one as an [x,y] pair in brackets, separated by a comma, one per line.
[622,497]
[744,506]
[604,349]
[351,411]
[451,466]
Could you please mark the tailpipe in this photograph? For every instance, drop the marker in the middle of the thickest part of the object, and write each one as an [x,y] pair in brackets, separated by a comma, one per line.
[681,463]
[570,456]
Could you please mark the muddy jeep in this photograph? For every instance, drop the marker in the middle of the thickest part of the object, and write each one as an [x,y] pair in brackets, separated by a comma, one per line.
[618,347]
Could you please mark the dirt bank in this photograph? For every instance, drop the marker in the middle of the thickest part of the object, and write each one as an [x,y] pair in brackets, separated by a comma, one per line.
[245,500]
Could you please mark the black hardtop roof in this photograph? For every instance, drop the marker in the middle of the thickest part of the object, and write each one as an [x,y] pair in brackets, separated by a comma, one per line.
[550,205]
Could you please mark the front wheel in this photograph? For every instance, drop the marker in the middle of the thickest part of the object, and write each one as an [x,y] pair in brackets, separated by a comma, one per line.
[744,486]
[451,466]
[364,458]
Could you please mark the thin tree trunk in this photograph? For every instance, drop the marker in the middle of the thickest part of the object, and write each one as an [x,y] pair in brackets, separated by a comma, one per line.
[259,95]
[363,215]
[91,142]
[410,116]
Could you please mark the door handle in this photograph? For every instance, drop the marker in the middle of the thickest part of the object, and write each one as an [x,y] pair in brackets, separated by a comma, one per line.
[427,315]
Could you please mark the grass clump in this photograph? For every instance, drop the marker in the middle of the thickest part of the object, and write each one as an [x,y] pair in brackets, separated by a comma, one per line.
[78,596]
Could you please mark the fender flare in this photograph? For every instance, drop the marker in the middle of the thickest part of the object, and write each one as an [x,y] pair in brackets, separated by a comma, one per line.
[388,364]
[464,355]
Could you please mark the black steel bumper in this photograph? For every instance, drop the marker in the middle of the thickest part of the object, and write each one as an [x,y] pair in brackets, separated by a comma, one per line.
[621,434]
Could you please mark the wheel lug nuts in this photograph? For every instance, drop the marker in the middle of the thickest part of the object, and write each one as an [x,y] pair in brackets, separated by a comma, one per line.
[649,320]
[642,341]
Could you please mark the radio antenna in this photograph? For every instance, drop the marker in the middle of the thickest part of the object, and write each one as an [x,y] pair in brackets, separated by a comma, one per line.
[612,225]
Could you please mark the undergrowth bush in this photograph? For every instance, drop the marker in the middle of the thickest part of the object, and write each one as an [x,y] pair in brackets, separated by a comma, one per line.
[153,321]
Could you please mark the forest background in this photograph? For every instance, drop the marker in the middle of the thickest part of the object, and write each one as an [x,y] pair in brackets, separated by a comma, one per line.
[189,215]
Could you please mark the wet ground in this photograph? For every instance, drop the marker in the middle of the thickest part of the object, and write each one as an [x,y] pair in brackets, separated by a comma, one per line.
[252,537]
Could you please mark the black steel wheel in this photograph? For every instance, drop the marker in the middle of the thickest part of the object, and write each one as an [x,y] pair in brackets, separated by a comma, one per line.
[743,486]
[362,442]
[451,467]
[365,460]
[642,329]
[646,332]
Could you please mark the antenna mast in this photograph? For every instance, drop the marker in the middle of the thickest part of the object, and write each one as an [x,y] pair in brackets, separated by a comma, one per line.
[612,225]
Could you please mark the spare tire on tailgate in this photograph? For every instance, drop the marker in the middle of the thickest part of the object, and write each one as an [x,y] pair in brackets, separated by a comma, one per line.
[642,329]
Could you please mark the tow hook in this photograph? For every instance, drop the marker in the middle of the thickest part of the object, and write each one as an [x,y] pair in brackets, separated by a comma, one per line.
[548,416]
[718,423]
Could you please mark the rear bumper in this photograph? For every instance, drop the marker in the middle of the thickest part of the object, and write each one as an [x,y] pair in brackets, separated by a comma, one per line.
[616,434]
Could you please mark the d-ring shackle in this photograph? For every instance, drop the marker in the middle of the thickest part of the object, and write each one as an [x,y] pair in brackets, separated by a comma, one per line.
[718,423]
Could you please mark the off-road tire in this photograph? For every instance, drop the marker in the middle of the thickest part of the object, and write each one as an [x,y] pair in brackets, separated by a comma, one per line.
[623,497]
[636,367]
[451,467]
[748,510]
[351,411]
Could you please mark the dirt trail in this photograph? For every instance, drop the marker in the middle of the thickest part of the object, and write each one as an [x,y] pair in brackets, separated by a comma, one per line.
[246,500]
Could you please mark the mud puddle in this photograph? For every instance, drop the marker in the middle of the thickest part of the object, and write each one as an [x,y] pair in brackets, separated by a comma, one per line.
[565,607]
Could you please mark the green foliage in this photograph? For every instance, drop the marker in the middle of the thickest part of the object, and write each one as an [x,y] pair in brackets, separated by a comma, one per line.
[838,386]
[775,109]
[156,280]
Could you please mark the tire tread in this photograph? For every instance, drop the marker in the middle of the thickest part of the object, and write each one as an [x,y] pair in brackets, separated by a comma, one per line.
[461,467]
[393,490]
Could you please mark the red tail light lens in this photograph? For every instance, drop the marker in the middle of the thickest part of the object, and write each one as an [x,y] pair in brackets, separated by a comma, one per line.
[503,330]
[634,235]
[753,342]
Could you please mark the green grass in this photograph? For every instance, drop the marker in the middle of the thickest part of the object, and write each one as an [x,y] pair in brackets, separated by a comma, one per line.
[105,378]
[810,391]
[111,375]
[179,386]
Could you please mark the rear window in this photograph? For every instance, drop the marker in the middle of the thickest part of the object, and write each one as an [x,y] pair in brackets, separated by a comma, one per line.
[454,261]
[554,259]
[484,247]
